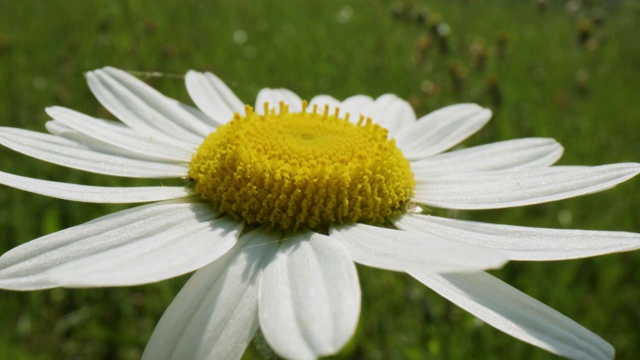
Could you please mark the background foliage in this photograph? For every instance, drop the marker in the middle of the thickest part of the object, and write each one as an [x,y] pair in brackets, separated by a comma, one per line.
[562,69]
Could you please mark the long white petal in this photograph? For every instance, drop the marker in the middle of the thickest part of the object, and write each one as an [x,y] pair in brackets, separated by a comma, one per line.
[135,246]
[501,189]
[511,154]
[411,251]
[274,97]
[144,109]
[392,113]
[120,136]
[94,194]
[82,140]
[441,130]
[518,314]
[309,297]
[165,110]
[523,243]
[213,96]
[215,315]
[68,153]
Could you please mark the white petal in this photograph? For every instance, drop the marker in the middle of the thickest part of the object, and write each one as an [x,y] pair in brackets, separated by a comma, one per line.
[82,140]
[120,136]
[501,189]
[517,314]
[197,114]
[354,106]
[411,251]
[511,154]
[441,130]
[322,101]
[136,246]
[60,127]
[71,154]
[213,96]
[523,243]
[94,194]
[165,110]
[309,298]
[215,315]
[392,113]
[144,109]
[274,97]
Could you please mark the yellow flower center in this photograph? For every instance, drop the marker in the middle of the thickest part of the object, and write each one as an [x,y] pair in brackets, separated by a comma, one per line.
[302,169]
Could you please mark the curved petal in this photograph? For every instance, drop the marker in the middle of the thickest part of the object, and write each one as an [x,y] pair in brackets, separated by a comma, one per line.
[274,97]
[162,109]
[441,130]
[501,189]
[136,246]
[215,315]
[322,101]
[523,243]
[354,106]
[408,251]
[209,124]
[504,155]
[94,194]
[309,297]
[57,150]
[517,314]
[144,109]
[213,96]
[392,113]
[83,140]
[120,136]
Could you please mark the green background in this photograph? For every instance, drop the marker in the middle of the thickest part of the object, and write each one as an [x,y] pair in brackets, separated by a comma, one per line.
[547,69]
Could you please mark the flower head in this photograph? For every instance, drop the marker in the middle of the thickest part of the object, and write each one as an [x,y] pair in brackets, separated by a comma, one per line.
[281,201]
[301,169]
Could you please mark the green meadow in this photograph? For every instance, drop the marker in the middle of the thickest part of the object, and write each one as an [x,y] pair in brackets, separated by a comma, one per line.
[567,70]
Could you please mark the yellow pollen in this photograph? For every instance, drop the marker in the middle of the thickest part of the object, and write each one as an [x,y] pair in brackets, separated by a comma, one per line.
[302,169]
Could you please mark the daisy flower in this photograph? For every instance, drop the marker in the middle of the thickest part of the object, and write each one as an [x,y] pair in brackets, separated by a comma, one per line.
[282,200]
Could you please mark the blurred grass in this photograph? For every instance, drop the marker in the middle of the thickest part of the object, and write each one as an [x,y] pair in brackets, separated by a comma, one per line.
[546,68]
